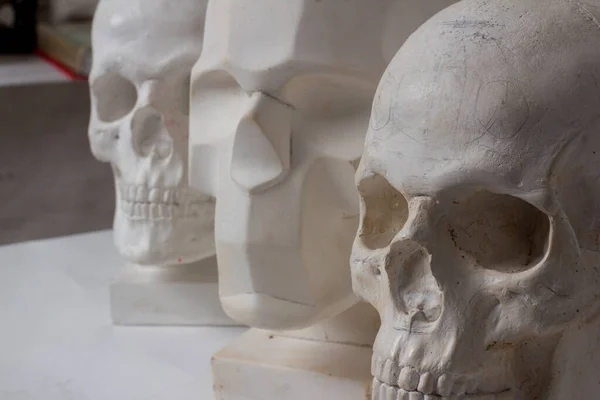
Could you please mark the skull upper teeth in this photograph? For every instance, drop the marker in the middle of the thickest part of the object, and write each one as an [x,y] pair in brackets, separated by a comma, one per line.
[141,202]
[395,382]
[383,391]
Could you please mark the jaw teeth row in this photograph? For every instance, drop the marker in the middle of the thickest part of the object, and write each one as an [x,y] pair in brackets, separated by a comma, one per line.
[382,391]
[410,380]
[158,211]
[143,194]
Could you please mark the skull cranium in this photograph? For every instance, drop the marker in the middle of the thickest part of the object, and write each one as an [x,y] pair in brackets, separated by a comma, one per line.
[143,55]
[478,241]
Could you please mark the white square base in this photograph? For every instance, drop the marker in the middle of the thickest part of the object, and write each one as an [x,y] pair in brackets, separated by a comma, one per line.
[264,366]
[168,295]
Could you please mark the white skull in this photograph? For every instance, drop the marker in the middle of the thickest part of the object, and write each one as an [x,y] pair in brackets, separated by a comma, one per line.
[143,55]
[279,105]
[480,193]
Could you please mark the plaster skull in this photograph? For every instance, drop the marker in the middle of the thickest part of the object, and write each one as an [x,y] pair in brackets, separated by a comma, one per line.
[480,191]
[143,55]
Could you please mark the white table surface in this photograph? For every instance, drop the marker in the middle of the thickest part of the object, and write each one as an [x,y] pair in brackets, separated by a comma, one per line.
[57,341]
[30,69]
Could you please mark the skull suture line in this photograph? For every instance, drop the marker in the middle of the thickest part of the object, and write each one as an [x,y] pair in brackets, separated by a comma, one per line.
[479,183]
[143,55]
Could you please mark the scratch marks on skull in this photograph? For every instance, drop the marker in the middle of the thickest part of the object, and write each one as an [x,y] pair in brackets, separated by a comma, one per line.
[410,330]
[384,100]
[411,320]
[474,298]
[465,23]
[453,235]
[518,64]
[561,153]
[557,294]
[269,95]
[502,108]
[439,71]
[410,137]
[586,12]
[501,50]
[384,105]
[463,89]
[525,300]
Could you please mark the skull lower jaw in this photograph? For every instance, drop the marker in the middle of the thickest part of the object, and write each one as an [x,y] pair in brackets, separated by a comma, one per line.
[151,232]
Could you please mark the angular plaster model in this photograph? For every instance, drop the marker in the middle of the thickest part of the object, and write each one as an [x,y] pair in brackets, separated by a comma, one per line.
[479,183]
[280,102]
[144,51]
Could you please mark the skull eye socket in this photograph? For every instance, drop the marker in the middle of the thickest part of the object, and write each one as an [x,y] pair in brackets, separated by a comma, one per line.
[115,96]
[384,210]
[499,232]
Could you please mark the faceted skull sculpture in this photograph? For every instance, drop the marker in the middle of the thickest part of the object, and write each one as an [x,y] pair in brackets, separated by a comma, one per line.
[143,56]
[280,101]
[480,200]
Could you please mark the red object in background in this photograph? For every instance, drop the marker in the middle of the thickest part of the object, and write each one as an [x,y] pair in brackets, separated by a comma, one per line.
[64,70]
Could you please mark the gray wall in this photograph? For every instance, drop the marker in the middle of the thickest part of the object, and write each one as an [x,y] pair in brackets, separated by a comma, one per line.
[50,184]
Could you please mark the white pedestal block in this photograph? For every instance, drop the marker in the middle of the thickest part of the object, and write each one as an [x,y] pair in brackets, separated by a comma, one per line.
[184,294]
[260,365]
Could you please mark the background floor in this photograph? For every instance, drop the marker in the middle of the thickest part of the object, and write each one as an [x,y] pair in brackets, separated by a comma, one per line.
[57,341]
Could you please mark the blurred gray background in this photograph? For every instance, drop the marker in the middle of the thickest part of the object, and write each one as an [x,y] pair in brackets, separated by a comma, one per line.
[50,184]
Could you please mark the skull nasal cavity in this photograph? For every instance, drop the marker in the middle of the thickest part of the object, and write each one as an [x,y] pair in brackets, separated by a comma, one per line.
[385,211]
[149,134]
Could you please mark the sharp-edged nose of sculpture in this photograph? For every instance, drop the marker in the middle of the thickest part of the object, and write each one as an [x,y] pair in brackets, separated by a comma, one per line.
[261,145]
